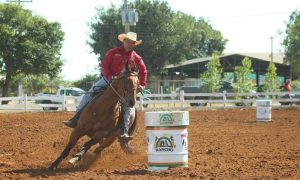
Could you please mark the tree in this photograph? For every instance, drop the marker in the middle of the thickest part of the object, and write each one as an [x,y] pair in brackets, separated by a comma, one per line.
[168,36]
[104,29]
[208,40]
[86,82]
[296,85]
[29,45]
[212,77]
[291,44]
[33,84]
[272,83]
[244,83]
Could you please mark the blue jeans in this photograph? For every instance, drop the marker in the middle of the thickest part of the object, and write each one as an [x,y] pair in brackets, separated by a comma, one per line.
[101,83]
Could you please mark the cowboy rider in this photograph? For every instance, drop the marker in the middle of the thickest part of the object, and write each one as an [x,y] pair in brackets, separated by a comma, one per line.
[113,64]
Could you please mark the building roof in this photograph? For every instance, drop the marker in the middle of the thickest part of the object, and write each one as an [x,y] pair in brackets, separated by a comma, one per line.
[277,58]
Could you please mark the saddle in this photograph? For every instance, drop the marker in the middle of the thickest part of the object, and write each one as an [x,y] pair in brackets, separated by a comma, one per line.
[98,91]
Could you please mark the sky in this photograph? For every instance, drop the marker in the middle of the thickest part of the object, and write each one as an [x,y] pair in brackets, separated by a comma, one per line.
[247,24]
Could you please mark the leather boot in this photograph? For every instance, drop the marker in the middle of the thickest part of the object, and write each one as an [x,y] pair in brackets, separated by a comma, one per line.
[73,121]
[125,111]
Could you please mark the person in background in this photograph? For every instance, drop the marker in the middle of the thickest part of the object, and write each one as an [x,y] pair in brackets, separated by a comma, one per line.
[287,85]
[113,65]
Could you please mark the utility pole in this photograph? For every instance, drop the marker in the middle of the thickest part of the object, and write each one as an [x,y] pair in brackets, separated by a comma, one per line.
[272,49]
[127,26]
[18,1]
[129,17]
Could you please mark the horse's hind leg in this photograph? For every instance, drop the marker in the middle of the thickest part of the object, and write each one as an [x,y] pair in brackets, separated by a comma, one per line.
[72,141]
[83,150]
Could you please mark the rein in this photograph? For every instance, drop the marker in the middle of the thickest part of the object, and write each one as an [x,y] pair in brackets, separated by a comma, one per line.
[123,100]
[109,84]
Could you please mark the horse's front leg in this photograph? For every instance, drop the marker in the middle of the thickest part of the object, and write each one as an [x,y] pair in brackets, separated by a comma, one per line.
[83,150]
[97,138]
[72,141]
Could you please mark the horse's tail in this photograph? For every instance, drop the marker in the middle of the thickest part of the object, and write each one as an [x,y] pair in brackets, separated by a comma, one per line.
[134,124]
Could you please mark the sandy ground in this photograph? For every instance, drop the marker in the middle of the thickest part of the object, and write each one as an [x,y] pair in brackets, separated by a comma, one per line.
[223,144]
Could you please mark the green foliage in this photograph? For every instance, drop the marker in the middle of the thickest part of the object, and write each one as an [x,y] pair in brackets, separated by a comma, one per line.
[29,45]
[168,37]
[157,30]
[243,83]
[296,85]
[33,84]
[272,83]
[86,82]
[212,77]
[105,28]
[291,44]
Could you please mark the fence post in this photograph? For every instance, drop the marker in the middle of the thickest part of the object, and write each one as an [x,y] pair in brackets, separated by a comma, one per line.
[181,97]
[25,102]
[224,98]
[64,103]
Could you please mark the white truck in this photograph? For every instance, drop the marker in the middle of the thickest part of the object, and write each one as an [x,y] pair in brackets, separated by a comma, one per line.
[71,95]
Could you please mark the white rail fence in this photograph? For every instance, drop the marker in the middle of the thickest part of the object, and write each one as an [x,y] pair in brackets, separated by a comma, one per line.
[176,101]
[28,103]
[183,101]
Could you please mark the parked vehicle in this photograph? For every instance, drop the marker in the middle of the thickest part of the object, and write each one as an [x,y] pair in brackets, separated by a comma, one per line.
[245,103]
[225,86]
[5,102]
[290,96]
[57,98]
[191,89]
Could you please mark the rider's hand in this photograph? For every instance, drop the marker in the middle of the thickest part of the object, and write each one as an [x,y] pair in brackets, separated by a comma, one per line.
[141,88]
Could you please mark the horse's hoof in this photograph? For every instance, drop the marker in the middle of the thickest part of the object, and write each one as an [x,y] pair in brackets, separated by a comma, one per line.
[98,151]
[125,139]
[74,160]
[130,150]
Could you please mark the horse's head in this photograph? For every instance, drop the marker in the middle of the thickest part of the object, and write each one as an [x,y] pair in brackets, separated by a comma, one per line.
[127,86]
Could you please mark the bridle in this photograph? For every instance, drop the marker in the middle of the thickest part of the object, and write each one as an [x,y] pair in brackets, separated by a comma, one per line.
[125,89]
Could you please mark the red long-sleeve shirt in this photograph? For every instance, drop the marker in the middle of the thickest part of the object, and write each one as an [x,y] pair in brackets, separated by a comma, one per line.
[116,59]
[287,87]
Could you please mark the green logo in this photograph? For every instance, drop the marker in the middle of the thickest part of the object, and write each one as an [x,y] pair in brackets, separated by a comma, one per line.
[164,144]
[166,118]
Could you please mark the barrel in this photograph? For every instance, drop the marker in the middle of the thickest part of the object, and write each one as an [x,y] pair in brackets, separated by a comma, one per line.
[167,139]
[263,110]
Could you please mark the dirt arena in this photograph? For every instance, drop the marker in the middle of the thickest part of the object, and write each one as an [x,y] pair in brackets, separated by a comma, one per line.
[223,144]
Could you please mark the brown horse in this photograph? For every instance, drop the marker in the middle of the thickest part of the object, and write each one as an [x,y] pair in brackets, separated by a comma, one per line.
[101,118]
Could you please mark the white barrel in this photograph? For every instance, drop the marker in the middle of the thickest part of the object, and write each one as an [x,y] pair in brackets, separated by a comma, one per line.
[263,110]
[167,139]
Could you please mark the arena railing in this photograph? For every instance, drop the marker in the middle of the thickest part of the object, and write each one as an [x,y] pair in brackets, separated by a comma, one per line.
[174,101]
